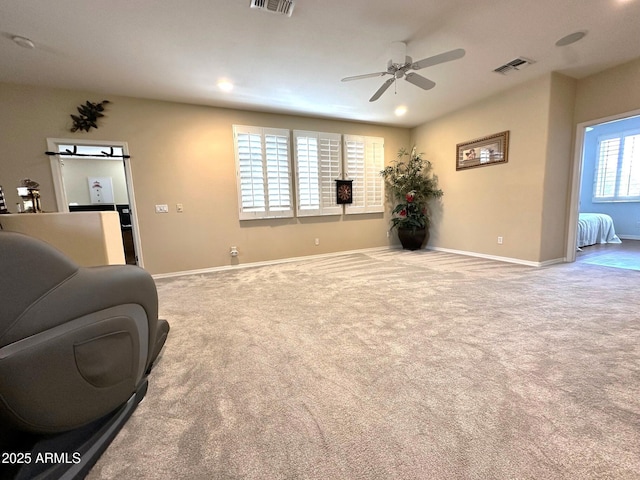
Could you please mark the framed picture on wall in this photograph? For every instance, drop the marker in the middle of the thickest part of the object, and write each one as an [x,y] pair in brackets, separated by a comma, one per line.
[484,151]
[101,189]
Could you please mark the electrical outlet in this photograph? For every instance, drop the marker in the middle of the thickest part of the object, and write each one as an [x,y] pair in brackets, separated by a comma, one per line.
[179,208]
[162,208]
[499,240]
[317,241]
[234,252]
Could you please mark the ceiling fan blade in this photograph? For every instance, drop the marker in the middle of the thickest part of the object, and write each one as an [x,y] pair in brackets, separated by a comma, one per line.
[366,75]
[436,59]
[382,89]
[419,81]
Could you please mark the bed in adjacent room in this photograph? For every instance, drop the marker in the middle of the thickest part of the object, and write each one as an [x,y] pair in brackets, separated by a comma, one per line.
[595,228]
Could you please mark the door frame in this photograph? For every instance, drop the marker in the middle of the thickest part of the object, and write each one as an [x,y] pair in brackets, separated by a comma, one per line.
[578,162]
[59,189]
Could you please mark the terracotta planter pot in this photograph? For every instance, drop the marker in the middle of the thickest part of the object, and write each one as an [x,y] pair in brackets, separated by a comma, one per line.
[413,239]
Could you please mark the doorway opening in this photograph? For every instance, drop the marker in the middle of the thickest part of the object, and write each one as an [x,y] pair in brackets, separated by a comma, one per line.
[603,184]
[95,175]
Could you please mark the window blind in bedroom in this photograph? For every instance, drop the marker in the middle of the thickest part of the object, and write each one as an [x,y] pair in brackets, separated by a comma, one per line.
[617,176]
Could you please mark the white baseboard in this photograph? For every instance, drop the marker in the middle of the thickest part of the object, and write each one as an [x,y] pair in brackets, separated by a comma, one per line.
[349,252]
[501,259]
[267,262]
[629,237]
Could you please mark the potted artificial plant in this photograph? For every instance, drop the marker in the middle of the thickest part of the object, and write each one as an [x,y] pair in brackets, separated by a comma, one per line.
[410,185]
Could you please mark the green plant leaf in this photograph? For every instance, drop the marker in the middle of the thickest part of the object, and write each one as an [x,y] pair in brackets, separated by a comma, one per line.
[413,175]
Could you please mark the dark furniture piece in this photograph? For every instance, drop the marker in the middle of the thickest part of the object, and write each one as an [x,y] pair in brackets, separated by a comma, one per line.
[76,346]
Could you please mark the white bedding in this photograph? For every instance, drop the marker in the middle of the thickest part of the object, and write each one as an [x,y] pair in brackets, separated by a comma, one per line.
[596,228]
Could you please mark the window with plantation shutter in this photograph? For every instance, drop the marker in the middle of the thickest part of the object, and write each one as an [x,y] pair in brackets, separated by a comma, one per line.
[617,175]
[318,159]
[263,165]
[364,159]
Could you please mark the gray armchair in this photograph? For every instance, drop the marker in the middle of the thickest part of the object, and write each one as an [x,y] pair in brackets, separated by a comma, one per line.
[76,346]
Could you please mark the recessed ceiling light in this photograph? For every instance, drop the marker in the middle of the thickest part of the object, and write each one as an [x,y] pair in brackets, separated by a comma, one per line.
[571,38]
[23,42]
[401,110]
[225,85]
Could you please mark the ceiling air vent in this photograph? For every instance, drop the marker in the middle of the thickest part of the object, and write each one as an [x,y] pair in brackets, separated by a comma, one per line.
[519,63]
[283,7]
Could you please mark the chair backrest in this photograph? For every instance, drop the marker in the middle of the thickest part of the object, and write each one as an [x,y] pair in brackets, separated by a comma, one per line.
[29,268]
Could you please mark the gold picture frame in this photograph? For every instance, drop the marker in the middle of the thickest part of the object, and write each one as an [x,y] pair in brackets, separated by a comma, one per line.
[484,151]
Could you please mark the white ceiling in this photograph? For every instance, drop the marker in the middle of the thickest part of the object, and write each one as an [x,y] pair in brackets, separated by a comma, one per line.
[178,50]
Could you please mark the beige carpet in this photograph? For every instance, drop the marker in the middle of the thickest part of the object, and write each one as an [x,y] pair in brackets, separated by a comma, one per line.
[392,365]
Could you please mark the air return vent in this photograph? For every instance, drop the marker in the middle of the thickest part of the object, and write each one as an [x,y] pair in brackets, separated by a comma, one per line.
[519,63]
[283,7]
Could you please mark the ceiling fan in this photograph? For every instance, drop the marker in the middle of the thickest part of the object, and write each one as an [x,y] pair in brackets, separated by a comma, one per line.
[402,66]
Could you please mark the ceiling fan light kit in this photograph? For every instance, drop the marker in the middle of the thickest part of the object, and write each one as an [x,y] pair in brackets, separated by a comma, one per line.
[405,69]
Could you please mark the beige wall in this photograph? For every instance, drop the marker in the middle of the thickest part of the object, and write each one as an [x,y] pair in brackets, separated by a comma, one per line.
[527,200]
[181,154]
[558,168]
[608,93]
[612,93]
[506,200]
[184,154]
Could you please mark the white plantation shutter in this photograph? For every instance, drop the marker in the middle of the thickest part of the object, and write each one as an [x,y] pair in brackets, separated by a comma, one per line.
[250,172]
[607,169]
[617,176]
[308,173]
[364,159]
[629,185]
[263,172]
[374,187]
[354,170]
[318,160]
[330,170]
[278,171]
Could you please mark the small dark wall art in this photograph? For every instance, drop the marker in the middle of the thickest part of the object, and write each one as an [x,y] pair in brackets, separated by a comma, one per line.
[89,114]
[483,151]
[344,192]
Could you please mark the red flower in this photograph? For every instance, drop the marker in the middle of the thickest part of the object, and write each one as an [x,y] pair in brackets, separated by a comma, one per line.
[403,213]
[410,196]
